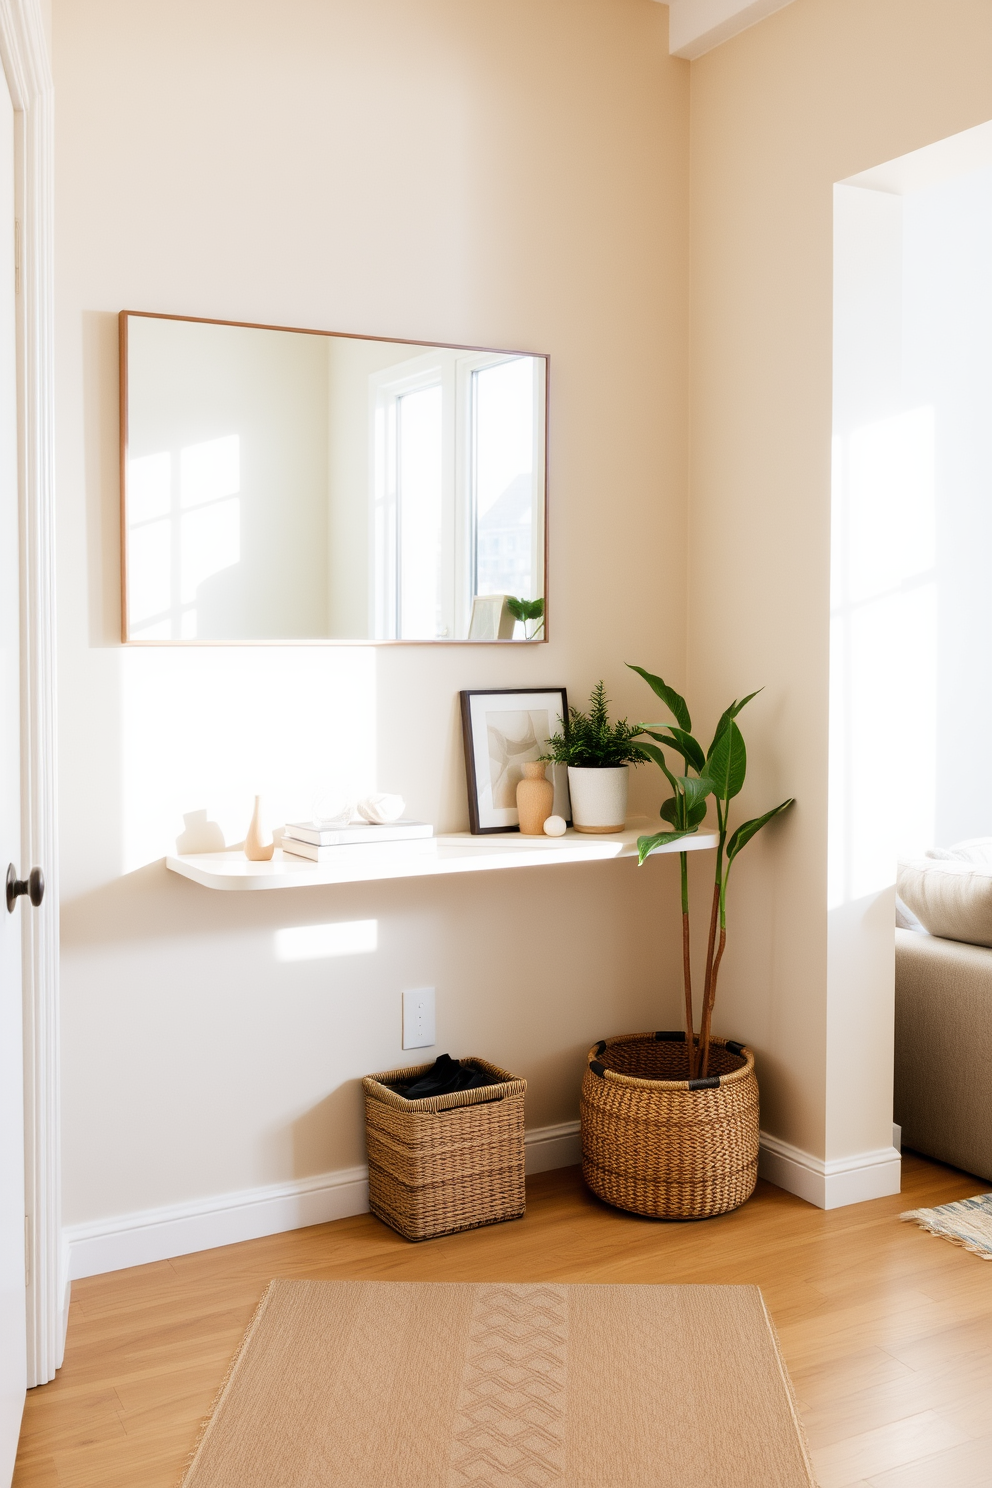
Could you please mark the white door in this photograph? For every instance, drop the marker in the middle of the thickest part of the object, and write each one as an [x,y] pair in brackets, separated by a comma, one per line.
[13,1365]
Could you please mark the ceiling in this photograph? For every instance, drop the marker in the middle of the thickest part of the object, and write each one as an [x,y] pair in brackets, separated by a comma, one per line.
[697,26]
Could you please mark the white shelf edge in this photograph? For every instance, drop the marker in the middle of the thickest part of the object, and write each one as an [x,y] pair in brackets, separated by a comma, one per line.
[457,852]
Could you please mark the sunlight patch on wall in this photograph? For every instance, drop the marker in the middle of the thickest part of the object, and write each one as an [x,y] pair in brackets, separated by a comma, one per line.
[209,728]
[883,682]
[318,942]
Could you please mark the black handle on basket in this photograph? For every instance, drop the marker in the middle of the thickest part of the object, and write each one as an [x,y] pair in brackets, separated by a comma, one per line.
[712,1082]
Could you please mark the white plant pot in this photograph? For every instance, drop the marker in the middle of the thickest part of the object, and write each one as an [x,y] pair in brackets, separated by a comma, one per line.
[599,798]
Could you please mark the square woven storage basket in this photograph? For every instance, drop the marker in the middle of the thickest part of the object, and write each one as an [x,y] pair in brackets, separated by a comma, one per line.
[448,1163]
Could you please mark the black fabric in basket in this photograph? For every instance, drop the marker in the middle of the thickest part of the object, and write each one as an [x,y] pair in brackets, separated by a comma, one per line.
[445,1076]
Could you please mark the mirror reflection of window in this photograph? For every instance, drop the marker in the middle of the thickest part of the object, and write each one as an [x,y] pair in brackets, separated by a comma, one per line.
[419,460]
[176,545]
[286,485]
[457,489]
[504,479]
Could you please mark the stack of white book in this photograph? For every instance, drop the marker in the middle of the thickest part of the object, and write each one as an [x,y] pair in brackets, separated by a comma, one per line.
[322,843]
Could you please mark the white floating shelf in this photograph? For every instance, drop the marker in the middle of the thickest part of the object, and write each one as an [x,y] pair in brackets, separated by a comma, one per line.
[458,853]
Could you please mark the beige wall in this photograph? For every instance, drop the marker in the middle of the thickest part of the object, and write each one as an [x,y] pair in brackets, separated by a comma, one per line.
[817,92]
[499,174]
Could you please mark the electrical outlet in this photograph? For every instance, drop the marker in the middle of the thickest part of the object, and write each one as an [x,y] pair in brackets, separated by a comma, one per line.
[418,1018]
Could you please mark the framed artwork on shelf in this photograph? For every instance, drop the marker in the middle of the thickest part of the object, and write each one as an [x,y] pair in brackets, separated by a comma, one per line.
[503,728]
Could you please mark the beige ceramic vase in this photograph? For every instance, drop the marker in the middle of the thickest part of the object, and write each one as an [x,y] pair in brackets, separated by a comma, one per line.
[259,843]
[535,799]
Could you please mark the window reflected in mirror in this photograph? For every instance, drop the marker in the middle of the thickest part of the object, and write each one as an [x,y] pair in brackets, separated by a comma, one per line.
[299,486]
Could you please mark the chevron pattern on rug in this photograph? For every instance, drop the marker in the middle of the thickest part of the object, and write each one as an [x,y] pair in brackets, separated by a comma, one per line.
[509,1420]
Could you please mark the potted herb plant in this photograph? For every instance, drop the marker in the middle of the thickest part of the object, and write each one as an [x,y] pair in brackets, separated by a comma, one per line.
[598,754]
[670,1120]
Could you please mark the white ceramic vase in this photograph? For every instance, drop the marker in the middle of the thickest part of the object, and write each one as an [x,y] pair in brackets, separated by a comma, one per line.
[259,842]
[599,798]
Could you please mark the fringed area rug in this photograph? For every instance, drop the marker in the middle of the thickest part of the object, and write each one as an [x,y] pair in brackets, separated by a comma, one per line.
[342,1384]
[967,1222]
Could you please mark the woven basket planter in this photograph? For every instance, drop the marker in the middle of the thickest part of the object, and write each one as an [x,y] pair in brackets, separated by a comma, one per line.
[448,1163]
[657,1144]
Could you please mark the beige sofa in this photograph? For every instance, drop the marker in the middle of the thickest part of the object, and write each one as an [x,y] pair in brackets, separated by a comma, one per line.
[943,1054]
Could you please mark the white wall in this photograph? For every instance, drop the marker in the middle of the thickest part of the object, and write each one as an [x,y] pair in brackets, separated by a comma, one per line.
[913,528]
[509,174]
[912,543]
[948,369]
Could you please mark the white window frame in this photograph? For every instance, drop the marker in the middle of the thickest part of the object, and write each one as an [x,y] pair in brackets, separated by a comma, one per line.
[453,373]
[467,505]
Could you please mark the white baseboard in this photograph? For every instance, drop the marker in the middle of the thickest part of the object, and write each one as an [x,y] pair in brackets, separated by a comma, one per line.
[225,1219]
[831,1184]
[221,1219]
[547,1147]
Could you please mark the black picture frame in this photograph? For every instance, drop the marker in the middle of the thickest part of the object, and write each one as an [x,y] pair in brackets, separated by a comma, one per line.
[488,806]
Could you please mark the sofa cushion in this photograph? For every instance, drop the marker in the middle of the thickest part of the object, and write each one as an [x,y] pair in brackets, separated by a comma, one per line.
[949,897]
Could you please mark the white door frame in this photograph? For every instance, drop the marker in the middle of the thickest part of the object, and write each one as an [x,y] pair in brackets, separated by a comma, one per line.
[24,54]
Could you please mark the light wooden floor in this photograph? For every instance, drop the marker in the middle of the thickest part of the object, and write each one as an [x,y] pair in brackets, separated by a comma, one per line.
[887,1331]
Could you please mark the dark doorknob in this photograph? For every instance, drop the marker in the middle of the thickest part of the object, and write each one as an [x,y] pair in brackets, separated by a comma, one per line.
[33,886]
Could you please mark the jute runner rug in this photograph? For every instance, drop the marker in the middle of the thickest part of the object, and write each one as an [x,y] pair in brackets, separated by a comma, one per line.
[438,1385]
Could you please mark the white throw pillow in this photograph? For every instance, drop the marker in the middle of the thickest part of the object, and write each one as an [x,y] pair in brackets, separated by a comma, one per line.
[973,850]
[952,899]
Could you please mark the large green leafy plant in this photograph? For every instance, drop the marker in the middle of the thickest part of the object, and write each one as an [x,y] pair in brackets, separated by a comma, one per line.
[718,772]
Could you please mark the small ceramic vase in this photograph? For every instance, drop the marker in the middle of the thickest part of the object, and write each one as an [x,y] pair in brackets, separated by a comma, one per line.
[535,799]
[259,844]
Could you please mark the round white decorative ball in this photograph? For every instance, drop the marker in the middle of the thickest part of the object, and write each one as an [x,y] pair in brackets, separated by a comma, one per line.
[555,826]
[381,810]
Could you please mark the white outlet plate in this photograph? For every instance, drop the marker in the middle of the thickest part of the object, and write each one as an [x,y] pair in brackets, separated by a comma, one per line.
[418,1018]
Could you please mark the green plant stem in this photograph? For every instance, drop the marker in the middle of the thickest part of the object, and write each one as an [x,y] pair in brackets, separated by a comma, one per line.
[704,1038]
[717,920]
[710,952]
[690,1043]
[704,1032]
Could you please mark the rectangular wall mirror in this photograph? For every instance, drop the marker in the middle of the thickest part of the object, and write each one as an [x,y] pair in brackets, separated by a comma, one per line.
[301,486]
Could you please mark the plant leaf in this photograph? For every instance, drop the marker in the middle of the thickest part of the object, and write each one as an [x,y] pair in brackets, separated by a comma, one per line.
[688,747]
[695,791]
[729,714]
[651,751]
[696,814]
[727,764]
[670,810]
[748,829]
[647,845]
[517,607]
[668,695]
